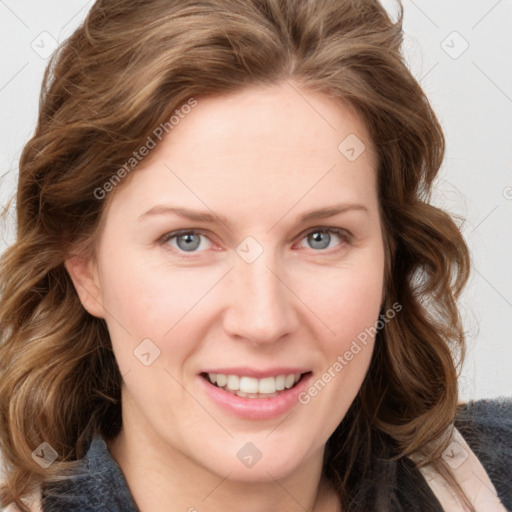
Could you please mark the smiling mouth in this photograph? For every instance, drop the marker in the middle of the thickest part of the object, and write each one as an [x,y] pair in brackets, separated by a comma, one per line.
[251,387]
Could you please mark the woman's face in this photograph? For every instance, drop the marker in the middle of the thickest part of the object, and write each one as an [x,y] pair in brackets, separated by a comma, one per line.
[277,276]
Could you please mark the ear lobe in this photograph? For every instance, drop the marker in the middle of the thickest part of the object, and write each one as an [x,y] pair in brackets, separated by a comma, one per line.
[84,275]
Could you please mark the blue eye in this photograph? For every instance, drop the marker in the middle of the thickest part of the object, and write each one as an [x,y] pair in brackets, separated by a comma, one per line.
[191,241]
[187,241]
[321,238]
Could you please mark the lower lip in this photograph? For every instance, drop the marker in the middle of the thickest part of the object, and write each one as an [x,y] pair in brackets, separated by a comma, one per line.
[256,408]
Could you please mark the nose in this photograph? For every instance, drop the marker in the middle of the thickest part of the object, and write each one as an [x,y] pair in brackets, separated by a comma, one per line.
[261,308]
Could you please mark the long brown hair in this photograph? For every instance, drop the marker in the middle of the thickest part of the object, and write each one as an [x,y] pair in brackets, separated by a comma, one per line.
[123,73]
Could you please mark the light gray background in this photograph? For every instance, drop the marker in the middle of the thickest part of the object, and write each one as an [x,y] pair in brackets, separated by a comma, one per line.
[470,89]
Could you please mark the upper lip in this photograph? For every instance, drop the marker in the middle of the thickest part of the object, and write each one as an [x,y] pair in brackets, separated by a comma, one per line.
[258,373]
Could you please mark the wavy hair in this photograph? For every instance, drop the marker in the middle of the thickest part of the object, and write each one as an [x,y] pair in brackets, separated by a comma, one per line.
[122,73]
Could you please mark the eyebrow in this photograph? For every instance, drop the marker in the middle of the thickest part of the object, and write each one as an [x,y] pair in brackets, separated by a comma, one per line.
[202,216]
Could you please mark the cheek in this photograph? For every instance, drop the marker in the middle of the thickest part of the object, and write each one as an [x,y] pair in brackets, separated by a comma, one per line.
[146,297]
[146,302]
[348,302]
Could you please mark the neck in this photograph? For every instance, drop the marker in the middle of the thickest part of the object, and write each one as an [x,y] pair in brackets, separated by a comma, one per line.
[163,478]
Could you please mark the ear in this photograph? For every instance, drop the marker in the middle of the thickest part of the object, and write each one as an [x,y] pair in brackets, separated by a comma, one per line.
[84,274]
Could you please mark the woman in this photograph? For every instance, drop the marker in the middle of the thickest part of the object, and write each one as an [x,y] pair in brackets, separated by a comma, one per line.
[228,282]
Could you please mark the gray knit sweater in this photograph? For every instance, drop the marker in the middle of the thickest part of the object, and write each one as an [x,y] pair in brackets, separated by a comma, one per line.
[486,426]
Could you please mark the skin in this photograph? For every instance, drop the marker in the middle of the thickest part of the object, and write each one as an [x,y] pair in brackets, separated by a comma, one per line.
[261,157]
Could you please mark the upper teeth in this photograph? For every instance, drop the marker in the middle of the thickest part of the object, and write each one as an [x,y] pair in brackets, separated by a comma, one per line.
[251,385]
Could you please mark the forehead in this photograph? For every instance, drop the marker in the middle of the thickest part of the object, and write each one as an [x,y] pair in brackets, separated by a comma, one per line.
[267,145]
[269,120]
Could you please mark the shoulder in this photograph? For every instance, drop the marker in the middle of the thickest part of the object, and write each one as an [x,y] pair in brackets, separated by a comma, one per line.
[493,413]
[98,485]
[486,426]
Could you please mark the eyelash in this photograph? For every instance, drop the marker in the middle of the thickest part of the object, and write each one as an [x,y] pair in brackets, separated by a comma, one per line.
[345,236]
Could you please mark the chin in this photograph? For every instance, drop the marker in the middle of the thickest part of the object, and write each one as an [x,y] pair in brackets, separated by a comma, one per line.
[258,461]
